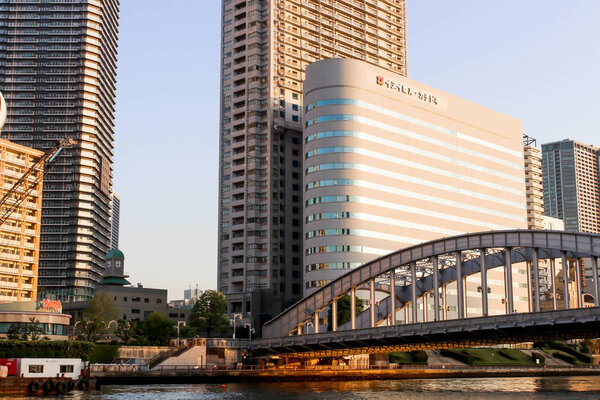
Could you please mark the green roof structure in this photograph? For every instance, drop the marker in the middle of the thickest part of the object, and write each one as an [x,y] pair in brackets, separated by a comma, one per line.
[114,280]
[115,253]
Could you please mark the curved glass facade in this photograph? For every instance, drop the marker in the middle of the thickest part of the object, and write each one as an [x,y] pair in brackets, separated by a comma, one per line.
[384,170]
[404,117]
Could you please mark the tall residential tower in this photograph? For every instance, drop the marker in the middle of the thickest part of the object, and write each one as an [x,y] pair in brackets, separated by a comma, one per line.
[58,75]
[266,46]
[572,184]
[533,183]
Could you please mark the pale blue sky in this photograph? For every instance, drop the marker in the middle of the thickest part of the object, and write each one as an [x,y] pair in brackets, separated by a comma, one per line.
[537,60]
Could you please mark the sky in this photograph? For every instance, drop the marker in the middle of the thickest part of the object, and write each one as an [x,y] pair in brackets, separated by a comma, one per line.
[536,60]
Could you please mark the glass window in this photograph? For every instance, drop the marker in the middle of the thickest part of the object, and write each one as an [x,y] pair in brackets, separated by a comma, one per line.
[36,369]
[65,369]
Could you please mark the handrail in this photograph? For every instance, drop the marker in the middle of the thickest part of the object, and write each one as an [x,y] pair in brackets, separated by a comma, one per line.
[197,369]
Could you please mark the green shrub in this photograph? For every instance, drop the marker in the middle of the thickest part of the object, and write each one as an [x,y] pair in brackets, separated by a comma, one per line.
[459,354]
[538,356]
[507,354]
[44,348]
[104,354]
[565,357]
[419,357]
[584,358]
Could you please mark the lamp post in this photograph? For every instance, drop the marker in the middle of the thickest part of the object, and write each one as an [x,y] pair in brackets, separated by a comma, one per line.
[235,316]
[179,323]
[107,328]
[75,327]
[309,323]
[250,331]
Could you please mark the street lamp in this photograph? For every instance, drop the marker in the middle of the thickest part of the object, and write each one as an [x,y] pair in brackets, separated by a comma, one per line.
[179,323]
[235,316]
[107,328]
[250,330]
[75,327]
[309,323]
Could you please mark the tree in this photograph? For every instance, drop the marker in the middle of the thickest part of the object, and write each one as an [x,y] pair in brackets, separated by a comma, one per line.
[100,312]
[124,331]
[14,332]
[158,329]
[92,328]
[25,331]
[101,306]
[33,330]
[343,310]
[210,312]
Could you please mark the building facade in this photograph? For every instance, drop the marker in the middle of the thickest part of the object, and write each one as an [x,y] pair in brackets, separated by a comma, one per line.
[20,232]
[46,314]
[133,302]
[115,220]
[390,162]
[58,75]
[266,46]
[572,185]
[533,183]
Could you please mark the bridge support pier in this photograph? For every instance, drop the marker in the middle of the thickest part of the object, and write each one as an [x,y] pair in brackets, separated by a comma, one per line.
[508,282]
[596,286]
[484,283]
[529,287]
[436,290]
[553,279]
[334,315]
[565,274]
[372,300]
[460,294]
[445,301]
[536,280]
[578,265]
[353,308]
[392,295]
[413,274]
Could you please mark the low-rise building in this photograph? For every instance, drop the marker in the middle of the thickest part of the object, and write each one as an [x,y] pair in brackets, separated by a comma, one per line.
[133,302]
[46,314]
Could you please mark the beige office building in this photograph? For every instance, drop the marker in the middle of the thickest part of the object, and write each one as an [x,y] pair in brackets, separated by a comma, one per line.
[534,188]
[20,233]
[266,46]
[390,162]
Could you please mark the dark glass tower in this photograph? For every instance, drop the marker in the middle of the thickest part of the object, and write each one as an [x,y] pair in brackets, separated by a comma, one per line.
[572,184]
[58,74]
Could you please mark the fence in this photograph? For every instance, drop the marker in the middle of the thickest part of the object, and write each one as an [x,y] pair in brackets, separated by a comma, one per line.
[202,369]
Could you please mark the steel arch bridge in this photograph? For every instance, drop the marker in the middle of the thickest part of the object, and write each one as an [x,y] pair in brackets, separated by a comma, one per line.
[400,280]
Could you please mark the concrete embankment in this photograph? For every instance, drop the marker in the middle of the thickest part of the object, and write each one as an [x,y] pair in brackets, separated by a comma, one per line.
[290,375]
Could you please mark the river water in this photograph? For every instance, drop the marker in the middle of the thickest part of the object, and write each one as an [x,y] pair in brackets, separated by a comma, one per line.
[413,389]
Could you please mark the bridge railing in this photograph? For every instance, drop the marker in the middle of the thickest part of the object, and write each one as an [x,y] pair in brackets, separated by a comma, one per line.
[204,369]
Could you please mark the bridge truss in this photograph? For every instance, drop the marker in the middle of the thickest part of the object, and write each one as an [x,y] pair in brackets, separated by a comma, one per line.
[409,293]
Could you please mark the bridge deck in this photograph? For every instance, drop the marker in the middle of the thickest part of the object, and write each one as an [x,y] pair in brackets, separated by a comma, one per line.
[514,328]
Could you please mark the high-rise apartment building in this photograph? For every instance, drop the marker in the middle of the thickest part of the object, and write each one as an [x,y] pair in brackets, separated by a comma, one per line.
[533,183]
[572,184]
[58,74]
[390,162]
[114,220]
[266,46]
[20,233]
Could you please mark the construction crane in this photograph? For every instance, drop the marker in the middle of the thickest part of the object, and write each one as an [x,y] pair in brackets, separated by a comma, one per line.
[45,163]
